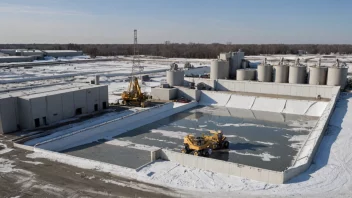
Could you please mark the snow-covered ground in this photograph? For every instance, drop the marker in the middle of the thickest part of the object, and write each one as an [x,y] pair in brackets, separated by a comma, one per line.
[328,176]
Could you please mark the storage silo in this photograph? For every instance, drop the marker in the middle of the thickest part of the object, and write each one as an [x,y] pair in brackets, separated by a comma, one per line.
[317,75]
[265,73]
[97,80]
[246,74]
[175,77]
[337,76]
[219,69]
[235,63]
[280,73]
[298,74]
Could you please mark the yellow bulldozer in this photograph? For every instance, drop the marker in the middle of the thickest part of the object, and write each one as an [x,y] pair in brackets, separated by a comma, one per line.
[134,96]
[203,146]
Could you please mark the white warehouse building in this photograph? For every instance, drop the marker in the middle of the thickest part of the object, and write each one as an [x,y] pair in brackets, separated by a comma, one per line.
[28,110]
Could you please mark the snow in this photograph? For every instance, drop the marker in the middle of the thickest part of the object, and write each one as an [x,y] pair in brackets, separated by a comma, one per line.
[30,162]
[171,134]
[131,145]
[4,149]
[6,165]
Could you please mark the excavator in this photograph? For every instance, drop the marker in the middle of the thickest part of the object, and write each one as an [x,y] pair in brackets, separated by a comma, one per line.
[203,146]
[134,96]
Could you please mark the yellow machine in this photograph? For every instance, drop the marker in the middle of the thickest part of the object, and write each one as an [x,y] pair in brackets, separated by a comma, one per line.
[203,146]
[218,139]
[134,95]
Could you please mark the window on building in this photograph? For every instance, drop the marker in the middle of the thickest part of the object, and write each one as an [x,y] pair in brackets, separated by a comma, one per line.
[37,122]
[78,111]
[44,121]
[104,105]
[96,107]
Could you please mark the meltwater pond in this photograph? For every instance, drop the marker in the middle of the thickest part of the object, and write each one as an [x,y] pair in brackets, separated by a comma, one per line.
[257,138]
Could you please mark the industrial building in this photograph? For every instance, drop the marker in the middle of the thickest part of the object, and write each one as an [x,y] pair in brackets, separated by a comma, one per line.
[26,55]
[37,54]
[13,59]
[62,53]
[26,110]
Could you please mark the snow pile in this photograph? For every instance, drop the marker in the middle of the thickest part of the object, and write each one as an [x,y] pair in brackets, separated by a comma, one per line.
[6,165]
[4,149]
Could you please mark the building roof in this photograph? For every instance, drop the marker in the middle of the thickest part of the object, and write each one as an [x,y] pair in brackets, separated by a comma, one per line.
[58,51]
[47,91]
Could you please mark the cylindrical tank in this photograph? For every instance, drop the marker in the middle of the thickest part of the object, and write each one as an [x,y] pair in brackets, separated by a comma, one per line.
[265,73]
[219,69]
[175,77]
[298,75]
[246,74]
[97,79]
[281,73]
[317,75]
[337,76]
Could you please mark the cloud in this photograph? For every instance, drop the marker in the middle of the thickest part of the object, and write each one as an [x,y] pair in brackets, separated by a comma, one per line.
[17,9]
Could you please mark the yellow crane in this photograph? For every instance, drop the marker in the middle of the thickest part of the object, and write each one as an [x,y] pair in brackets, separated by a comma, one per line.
[134,95]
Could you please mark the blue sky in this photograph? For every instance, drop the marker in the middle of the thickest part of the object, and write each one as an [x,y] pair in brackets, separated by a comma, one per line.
[200,21]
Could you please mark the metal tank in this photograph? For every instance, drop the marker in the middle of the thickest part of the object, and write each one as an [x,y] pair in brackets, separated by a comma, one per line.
[337,76]
[298,74]
[280,73]
[175,77]
[317,75]
[97,79]
[246,74]
[265,73]
[219,69]
[235,63]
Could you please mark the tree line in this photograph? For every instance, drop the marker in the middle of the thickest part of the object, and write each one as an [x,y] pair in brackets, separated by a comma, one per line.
[190,50]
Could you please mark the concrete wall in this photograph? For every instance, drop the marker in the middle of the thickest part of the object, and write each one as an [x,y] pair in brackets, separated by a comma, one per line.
[8,115]
[38,110]
[92,99]
[54,108]
[114,127]
[25,115]
[309,148]
[189,94]
[220,166]
[259,104]
[103,96]
[311,91]
[164,93]
[275,88]
[80,100]
[210,83]
[68,105]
